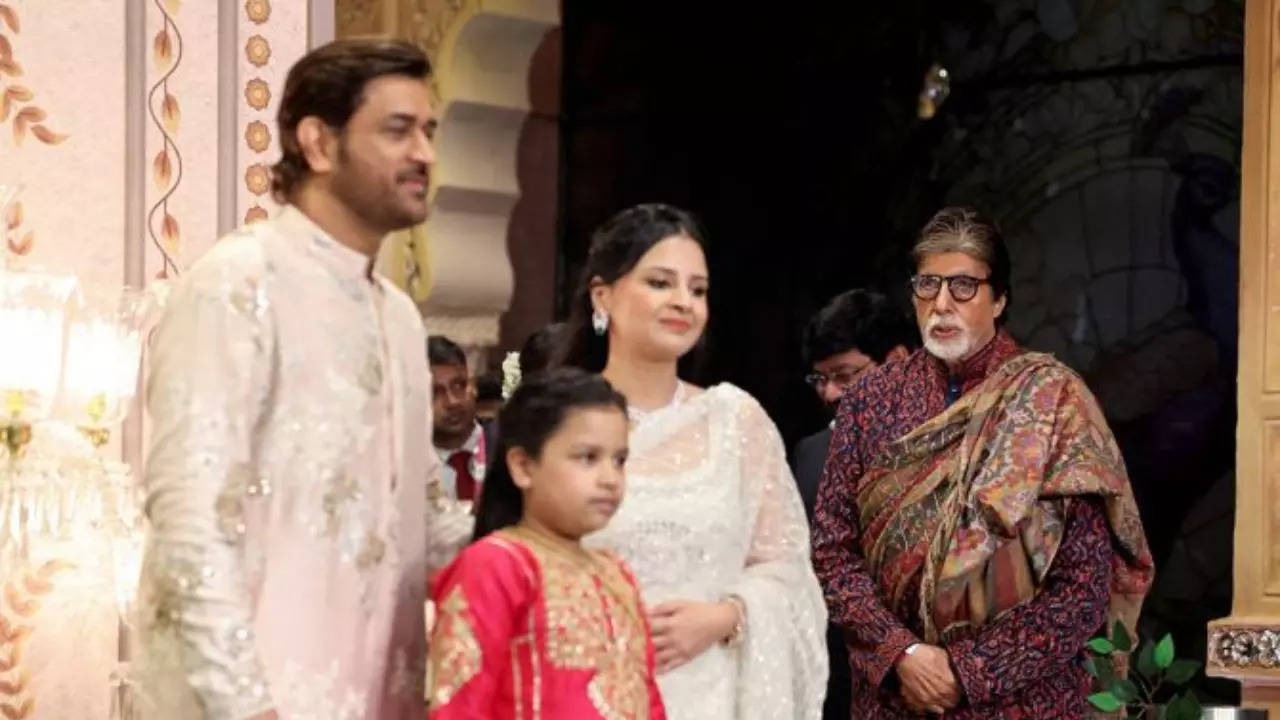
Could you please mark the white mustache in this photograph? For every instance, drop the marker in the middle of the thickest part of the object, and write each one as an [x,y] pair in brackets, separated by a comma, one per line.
[936,323]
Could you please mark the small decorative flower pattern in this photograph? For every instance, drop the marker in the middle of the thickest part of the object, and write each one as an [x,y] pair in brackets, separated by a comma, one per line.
[257,93]
[258,179]
[1244,647]
[258,11]
[257,50]
[257,96]
[257,136]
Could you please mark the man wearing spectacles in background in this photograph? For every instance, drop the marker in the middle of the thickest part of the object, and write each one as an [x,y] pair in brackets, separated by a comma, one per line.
[854,333]
[975,525]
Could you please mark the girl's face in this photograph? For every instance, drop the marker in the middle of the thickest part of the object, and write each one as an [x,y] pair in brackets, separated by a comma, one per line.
[577,482]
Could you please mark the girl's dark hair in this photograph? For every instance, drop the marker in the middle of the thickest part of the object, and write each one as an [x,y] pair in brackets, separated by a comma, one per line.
[616,247]
[534,412]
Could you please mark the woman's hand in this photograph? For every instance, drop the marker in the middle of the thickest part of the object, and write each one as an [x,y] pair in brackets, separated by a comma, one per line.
[682,630]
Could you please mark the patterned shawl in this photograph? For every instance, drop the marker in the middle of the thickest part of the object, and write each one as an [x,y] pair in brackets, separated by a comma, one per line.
[972,503]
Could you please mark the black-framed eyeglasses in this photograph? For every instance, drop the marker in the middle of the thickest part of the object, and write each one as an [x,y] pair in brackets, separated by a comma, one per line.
[961,287]
[841,378]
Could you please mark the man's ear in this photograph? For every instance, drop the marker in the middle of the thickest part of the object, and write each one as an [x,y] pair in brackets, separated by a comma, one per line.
[319,144]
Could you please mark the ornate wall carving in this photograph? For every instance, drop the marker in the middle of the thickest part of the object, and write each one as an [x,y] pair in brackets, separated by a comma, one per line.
[456,265]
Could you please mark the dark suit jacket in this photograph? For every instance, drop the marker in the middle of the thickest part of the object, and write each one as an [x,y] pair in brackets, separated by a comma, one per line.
[806,464]
[490,428]
[807,460]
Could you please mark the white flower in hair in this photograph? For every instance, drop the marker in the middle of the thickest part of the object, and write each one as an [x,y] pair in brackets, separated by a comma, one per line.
[510,374]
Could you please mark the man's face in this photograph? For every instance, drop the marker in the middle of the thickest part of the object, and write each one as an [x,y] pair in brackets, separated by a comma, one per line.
[385,154]
[953,330]
[834,374]
[453,399]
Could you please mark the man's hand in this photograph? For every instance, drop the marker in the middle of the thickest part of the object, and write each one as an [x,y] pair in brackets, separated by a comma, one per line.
[928,685]
[268,715]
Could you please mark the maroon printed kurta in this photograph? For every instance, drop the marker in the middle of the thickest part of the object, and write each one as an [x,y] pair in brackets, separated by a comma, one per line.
[1027,663]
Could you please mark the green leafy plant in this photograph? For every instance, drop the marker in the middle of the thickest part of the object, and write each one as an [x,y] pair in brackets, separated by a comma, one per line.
[1157,673]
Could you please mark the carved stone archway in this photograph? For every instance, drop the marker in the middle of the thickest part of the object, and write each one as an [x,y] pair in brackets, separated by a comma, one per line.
[456,265]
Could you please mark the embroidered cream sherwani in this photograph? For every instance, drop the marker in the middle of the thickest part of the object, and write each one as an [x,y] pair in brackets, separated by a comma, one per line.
[286,487]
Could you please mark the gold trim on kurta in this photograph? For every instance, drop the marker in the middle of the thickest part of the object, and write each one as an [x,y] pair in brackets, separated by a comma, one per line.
[594,623]
[448,671]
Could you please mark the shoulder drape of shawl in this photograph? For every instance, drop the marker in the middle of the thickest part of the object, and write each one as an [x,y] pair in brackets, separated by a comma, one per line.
[783,660]
[971,503]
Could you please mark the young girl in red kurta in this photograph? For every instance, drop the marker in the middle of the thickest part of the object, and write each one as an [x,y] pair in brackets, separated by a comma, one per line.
[530,624]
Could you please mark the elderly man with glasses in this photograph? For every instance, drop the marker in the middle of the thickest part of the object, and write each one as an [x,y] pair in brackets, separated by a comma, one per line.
[974,525]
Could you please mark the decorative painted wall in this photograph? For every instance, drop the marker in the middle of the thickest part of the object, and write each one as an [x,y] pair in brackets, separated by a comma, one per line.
[66,80]
[67,153]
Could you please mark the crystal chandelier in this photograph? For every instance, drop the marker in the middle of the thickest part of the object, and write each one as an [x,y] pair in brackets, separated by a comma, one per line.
[70,518]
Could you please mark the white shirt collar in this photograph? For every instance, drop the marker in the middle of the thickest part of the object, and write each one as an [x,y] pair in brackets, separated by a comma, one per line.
[471,445]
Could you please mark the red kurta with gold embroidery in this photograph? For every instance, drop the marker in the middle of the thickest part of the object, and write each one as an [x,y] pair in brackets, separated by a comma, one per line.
[526,631]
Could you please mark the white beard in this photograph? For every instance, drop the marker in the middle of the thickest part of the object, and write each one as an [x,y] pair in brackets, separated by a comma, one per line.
[953,349]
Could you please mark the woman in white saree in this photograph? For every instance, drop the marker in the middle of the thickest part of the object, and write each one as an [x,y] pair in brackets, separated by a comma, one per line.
[712,523]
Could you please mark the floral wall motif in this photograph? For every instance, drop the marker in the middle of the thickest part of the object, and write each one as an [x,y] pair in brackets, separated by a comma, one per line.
[274,35]
[13,95]
[19,109]
[17,241]
[166,115]
[257,96]
[182,77]
[64,119]
[68,154]
[24,593]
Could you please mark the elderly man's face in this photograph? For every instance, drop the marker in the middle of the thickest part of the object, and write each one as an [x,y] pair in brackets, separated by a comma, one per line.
[953,330]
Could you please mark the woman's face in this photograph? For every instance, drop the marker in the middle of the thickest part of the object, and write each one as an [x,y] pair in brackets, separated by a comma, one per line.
[658,310]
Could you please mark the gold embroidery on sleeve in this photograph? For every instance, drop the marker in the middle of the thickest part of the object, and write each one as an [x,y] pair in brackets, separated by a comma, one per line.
[454,657]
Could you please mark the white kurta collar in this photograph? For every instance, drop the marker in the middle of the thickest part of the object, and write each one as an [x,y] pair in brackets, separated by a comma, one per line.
[344,262]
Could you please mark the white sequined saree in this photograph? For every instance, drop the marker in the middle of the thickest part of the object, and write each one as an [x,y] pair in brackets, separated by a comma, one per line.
[712,510]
